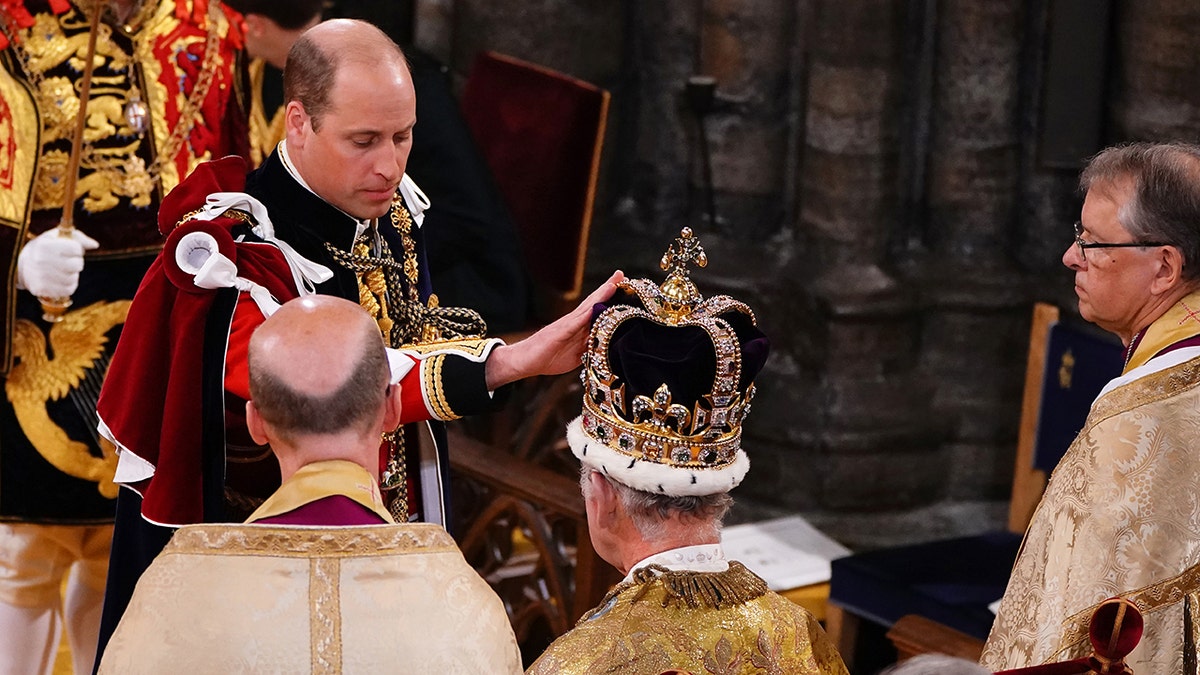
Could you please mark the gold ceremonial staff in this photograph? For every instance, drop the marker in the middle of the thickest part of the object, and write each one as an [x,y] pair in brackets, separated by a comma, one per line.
[54,308]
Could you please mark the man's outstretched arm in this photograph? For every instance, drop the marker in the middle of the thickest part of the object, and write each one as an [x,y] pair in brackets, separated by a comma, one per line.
[555,349]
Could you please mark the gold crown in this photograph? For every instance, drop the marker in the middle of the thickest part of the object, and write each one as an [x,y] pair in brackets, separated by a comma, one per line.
[652,431]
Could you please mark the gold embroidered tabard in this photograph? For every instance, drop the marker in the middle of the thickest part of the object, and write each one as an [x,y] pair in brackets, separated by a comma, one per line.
[160,90]
[699,622]
[1120,516]
[163,97]
[75,369]
[20,124]
[265,133]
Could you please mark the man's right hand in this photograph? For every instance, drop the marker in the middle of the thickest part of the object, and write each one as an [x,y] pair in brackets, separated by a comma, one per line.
[554,349]
[49,265]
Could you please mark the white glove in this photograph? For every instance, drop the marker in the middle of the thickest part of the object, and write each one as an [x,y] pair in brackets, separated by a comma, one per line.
[49,265]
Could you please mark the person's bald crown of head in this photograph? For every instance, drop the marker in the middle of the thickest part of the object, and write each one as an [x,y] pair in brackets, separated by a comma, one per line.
[352,40]
[317,366]
[313,344]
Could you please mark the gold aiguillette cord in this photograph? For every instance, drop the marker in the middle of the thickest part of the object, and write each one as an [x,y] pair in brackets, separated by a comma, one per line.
[53,309]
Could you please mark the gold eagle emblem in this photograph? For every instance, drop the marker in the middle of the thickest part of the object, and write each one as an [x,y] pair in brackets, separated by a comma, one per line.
[76,343]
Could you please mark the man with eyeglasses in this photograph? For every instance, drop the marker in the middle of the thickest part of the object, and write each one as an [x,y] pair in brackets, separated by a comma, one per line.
[1121,514]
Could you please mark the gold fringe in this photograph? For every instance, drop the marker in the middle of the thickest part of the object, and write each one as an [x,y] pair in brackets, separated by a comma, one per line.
[714,590]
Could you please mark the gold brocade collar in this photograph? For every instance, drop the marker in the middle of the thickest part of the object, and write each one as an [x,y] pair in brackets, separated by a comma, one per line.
[1179,323]
[683,588]
[324,479]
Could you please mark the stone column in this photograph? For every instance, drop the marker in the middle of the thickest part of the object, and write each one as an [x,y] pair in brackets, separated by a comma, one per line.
[664,53]
[746,45]
[869,419]
[1158,76]
[582,38]
[976,324]
[433,31]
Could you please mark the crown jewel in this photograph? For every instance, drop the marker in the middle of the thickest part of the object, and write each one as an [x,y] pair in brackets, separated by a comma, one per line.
[663,375]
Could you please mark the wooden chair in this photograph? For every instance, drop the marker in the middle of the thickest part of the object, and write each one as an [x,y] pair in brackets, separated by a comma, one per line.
[524,529]
[541,133]
[951,582]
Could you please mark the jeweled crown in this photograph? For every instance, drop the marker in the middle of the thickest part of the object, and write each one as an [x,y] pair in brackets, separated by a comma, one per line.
[668,382]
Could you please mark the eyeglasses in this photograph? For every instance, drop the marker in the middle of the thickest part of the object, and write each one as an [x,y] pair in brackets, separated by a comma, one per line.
[1084,245]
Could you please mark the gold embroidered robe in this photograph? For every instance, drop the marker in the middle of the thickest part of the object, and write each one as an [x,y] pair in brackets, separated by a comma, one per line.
[1120,516]
[649,625]
[261,598]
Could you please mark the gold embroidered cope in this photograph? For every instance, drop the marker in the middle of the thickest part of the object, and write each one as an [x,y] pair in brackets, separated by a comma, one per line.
[1120,516]
[367,599]
[699,622]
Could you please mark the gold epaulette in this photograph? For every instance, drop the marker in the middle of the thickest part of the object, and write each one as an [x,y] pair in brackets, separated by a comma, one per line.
[473,348]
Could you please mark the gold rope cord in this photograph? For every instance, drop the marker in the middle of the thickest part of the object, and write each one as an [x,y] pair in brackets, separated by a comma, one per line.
[388,290]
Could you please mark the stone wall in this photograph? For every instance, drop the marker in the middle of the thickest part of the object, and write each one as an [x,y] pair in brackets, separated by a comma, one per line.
[880,200]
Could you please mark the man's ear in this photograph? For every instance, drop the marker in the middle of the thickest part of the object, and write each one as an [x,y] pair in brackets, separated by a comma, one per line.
[256,425]
[604,496]
[296,124]
[392,408]
[254,24]
[1170,270]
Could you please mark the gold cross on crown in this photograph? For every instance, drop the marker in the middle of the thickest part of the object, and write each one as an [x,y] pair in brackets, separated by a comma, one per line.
[678,290]
[686,249]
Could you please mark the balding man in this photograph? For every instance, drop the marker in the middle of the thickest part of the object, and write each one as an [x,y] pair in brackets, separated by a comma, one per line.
[471,244]
[274,597]
[330,212]
[320,398]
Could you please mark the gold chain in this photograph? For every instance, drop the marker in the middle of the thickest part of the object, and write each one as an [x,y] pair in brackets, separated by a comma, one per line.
[402,221]
[95,159]
[395,476]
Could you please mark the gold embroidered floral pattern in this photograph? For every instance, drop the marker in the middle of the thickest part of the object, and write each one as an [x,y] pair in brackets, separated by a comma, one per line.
[296,542]
[116,160]
[1120,516]
[1148,600]
[18,149]
[373,599]
[325,617]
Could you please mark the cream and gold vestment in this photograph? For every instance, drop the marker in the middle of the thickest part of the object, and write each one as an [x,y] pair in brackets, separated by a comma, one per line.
[1120,516]
[260,598]
[700,622]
